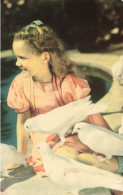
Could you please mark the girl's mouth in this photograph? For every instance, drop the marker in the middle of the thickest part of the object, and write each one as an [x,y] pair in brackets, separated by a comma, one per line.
[23,69]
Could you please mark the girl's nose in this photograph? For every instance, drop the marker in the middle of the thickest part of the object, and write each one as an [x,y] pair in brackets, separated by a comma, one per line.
[18,63]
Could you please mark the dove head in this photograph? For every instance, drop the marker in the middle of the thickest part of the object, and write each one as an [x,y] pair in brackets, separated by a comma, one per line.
[43,147]
[28,124]
[22,159]
[78,127]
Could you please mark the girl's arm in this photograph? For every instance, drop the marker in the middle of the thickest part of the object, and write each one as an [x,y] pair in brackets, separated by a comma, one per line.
[22,134]
[90,159]
[112,165]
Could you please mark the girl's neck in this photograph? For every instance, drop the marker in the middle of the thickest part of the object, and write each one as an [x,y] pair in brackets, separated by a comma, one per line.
[45,76]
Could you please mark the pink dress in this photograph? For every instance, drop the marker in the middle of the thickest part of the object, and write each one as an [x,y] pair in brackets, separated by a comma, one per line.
[25,94]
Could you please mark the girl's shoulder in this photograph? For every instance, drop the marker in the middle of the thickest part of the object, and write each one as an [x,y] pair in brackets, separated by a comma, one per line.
[18,93]
[21,81]
[20,78]
[74,81]
[72,88]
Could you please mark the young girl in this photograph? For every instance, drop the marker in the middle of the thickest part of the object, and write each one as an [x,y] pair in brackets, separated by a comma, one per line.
[48,79]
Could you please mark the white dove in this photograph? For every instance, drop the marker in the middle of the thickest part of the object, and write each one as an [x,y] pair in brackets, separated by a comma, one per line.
[117,70]
[9,154]
[121,128]
[61,119]
[73,176]
[100,139]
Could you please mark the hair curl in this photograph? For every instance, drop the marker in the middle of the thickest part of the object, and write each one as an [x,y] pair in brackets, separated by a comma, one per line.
[42,39]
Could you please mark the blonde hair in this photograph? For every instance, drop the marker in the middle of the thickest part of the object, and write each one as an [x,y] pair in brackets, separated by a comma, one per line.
[41,39]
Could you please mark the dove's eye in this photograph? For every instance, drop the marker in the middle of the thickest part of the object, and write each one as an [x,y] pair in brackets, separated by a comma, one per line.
[38,147]
[27,127]
[78,128]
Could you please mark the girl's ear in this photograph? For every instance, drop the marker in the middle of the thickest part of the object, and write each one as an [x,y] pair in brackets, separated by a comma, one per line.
[45,56]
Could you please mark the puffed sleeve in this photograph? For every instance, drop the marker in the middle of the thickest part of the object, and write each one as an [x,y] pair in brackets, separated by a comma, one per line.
[74,88]
[16,98]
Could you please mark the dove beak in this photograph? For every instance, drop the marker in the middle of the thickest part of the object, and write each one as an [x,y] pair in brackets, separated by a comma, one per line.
[38,148]
[27,128]
[25,165]
[74,131]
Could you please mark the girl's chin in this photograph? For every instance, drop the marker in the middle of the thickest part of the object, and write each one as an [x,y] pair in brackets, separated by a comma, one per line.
[25,73]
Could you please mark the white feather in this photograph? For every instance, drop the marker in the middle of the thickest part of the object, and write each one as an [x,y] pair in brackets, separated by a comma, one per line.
[59,120]
[117,70]
[121,128]
[73,175]
[9,155]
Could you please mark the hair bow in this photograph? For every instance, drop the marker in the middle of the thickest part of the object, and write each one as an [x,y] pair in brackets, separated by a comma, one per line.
[36,23]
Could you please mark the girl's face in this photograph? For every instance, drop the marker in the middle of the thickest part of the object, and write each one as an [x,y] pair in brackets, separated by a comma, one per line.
[29,62]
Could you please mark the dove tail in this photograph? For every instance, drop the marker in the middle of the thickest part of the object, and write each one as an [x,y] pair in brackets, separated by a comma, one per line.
[121,128]
[115,186]
[114,182]
[86,107]
[82,102]
[97,108]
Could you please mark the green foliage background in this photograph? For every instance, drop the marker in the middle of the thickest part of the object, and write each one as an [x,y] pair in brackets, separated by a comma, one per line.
[82,24]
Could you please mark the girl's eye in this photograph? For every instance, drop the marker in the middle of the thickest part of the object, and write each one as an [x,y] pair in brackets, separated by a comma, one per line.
[22,58]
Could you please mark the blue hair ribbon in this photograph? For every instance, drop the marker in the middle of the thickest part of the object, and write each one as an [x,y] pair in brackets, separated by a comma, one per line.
[36,23]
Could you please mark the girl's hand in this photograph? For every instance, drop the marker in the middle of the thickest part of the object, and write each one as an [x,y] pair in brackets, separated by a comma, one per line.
[90,159]
[13,166]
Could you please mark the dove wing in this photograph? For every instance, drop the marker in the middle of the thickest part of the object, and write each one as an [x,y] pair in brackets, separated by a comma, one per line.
[54,120]
[73,175]
[100,140]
